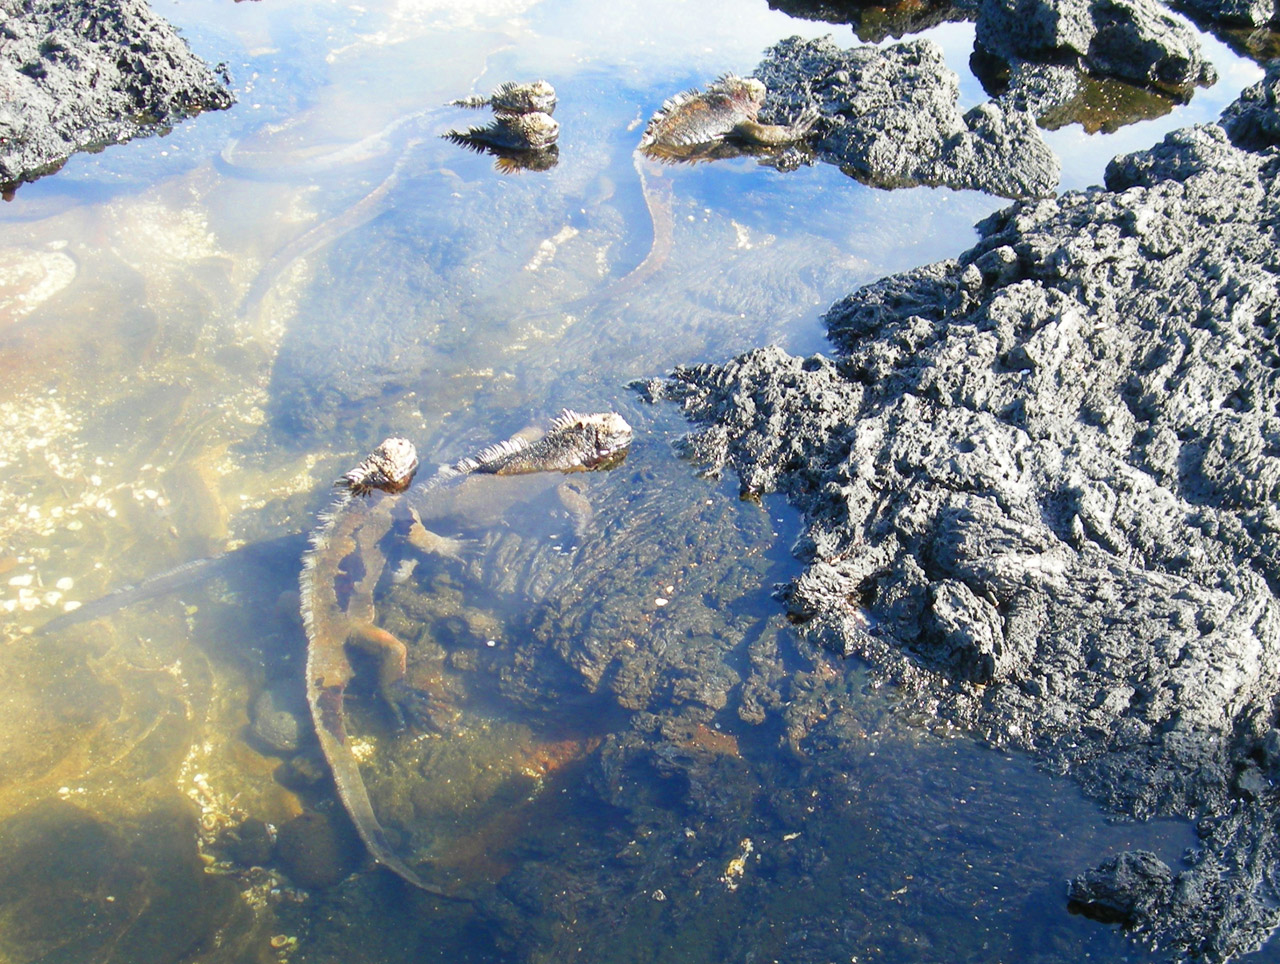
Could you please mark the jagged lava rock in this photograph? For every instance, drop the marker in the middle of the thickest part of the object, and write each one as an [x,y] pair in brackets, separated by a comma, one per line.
[890,117]
[1051,467]
[1135,40]
[82,74]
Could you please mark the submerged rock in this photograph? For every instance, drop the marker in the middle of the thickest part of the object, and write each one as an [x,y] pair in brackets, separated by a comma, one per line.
[83,74]
[1124,889]
[280,719]
[1040,486]
[317,850]
[890,117]
[78,886]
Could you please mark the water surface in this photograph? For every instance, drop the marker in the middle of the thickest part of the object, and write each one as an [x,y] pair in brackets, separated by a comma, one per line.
[198,332]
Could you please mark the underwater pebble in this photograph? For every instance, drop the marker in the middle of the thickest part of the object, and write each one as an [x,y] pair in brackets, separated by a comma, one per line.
[65,583]
[661,601]
[23,580]
[70,607]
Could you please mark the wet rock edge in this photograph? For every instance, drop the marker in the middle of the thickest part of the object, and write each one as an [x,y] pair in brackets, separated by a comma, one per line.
[85,74]
[1040,483]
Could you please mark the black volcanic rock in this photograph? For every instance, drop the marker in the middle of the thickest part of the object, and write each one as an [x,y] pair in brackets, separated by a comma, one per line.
[1040,486]
[1134,40]
[84,74]
[890,117]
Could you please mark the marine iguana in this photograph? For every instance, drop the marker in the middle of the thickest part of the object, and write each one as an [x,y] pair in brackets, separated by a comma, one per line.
[727,111]
[358,519]
[514,98]
[536,131]
[522,123]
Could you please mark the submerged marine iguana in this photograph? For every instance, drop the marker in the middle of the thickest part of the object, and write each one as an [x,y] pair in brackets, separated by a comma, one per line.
[358,519]
[728,110]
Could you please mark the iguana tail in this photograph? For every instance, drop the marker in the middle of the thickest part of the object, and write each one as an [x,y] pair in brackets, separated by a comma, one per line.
[351,788]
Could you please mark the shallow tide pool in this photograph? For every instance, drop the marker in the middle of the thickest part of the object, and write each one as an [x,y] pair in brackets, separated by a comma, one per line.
[623,752]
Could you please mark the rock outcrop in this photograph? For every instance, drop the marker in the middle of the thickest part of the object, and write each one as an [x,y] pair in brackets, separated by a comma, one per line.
[1100,63]
[1134,40]
[890,117]
[1040,483]
[83,74]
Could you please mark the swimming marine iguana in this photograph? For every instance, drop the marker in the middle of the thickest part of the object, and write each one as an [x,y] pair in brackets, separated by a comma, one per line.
[522,123]
[514,98]
[358,519]
[728,110]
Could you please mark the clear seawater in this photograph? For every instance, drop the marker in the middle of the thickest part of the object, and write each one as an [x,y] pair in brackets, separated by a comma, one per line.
[199,331]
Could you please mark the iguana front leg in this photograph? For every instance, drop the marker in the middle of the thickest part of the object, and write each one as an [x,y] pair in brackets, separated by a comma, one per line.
[432,543]
[776,135]
[575,502]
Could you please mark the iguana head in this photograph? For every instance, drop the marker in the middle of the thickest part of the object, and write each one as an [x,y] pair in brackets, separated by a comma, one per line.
[389,467]
[595,441]
[748,90]
[513,98]
[538,130]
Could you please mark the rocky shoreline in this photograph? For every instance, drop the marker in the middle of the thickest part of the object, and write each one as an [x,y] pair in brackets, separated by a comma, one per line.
[1040,482]
[79,75]
[1039,479]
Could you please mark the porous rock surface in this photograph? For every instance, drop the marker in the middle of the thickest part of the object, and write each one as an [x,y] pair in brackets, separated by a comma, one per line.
[890,117]
[1253,13]
[874,20]
[1102,63]
[82,74]
[1134,40]
[1040,483]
